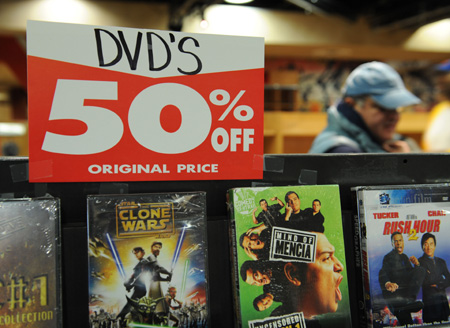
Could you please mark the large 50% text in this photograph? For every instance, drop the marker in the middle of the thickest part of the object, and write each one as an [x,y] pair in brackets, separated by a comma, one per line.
[106,127]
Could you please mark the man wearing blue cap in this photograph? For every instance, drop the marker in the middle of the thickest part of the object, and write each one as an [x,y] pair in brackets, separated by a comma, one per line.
[364,121]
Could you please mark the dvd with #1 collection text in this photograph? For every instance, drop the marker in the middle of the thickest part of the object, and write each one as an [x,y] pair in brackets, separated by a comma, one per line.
[30,274]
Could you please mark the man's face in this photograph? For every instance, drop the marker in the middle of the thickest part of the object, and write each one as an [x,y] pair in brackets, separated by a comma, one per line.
[323,278]
[172,292]
[381,122]
[258,278]
[252,242]
[139,255]
[429,247]
[316,207]
[265,303]
[156,249]
[263,205]
[294,202]
[397,243]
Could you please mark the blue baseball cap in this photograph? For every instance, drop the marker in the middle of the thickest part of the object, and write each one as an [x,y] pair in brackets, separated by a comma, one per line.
[382,83]
[444,66]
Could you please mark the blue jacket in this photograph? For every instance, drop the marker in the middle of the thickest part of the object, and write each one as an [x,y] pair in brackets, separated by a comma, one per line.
[345,129]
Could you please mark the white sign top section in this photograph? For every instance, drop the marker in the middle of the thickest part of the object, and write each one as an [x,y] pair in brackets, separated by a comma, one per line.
[151,53]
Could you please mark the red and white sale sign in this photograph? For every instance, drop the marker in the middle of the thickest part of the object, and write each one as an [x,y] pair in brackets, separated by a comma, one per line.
[123,104]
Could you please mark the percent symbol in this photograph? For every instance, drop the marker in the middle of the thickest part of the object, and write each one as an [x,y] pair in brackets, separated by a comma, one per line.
[221,97]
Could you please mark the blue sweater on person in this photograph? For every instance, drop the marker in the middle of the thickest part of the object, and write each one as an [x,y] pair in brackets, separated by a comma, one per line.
[346,132]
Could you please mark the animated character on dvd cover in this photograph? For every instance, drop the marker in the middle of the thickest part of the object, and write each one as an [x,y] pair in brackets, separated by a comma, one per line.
[173,304]
[140,244]
[155,290]
[136,281]
[143,311]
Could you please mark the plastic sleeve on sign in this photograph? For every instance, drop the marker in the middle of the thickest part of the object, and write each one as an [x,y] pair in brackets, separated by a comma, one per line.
[256,184]
[113,188]
[307,177]
[273,164]
[230,207]
[258,161]
[42,169]
[19,172]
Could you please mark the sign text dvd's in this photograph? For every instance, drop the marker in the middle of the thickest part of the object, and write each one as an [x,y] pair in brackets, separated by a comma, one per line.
[404,244]
[147,260]
[30,277]
[102,98]
[289,257]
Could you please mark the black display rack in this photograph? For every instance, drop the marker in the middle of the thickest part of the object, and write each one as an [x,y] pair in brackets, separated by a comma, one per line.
[345,170]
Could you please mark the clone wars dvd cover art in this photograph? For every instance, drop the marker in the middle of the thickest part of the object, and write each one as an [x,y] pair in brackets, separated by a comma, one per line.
[147,260]
[289,257]
[30,285]
[405,256]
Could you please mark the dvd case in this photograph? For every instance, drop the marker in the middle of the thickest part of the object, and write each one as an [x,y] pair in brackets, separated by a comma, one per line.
[148,260]
[404,243]
[289,266]
[30,275]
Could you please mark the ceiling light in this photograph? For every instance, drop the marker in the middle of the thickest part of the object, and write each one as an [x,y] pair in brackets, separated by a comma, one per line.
[12,129]
[63,10]
[204,24]
[238,2]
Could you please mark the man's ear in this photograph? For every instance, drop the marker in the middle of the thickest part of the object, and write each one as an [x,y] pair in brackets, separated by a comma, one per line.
[349,100]
[357,105]
[290,271]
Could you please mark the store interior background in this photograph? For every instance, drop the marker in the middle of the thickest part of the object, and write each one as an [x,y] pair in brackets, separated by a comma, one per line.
[310,48]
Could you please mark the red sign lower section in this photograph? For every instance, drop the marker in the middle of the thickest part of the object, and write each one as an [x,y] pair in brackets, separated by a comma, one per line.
[91,124]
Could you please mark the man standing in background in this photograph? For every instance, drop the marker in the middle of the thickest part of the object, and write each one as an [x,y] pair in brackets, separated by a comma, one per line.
[364,121]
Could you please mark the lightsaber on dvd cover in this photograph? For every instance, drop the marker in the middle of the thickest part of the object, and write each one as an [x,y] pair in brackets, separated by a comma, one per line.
[148,260]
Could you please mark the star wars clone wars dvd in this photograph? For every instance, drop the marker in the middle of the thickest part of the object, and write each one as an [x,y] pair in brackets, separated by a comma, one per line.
[289,257]
[404,244]
[30,276]
[148,260]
